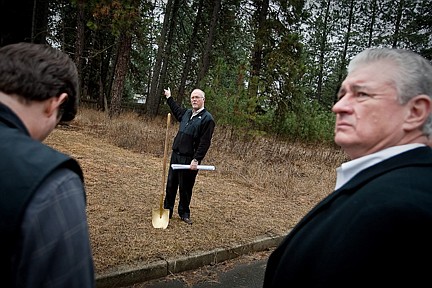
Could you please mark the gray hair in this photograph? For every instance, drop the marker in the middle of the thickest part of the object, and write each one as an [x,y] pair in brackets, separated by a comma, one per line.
[200,92]
[413,78]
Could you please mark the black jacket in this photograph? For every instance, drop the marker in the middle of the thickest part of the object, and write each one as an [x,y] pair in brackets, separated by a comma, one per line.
[374,231]
[194,136]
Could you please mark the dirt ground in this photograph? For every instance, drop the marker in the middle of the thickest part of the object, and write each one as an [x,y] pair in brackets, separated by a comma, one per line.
[124,187]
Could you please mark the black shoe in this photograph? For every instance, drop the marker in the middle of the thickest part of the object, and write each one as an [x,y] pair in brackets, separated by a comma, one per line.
[170,212]
[187,220]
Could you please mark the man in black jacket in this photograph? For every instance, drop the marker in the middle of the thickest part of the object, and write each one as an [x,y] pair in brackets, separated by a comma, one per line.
[190,146]
[44,239]
[374,229]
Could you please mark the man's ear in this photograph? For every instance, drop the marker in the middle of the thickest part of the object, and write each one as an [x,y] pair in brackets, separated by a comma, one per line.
[419,110]
[54,103]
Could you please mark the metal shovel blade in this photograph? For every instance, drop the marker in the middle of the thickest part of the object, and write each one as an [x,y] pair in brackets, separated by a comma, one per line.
[160,218]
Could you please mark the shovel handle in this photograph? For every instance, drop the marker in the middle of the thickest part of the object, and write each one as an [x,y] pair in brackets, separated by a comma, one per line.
[164,162]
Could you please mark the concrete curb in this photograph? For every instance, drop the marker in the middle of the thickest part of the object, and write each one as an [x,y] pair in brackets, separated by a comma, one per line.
[128,275]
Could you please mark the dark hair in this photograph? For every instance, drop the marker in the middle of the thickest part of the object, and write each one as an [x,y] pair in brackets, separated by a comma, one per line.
[37,72]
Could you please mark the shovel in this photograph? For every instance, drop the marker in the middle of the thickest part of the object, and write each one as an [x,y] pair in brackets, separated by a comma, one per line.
[160,216]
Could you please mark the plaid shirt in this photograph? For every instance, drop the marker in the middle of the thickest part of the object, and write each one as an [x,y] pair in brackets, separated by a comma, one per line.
[54,248]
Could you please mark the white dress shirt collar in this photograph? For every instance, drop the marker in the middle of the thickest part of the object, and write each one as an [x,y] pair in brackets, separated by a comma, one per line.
[349,169]
[194,113]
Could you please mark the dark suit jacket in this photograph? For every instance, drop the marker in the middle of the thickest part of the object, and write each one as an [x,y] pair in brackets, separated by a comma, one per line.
[375,231]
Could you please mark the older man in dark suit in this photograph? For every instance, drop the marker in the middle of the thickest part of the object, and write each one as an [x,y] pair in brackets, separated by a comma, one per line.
[375,228]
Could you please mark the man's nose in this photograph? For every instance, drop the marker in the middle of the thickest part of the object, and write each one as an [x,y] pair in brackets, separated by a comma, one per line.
[342,105]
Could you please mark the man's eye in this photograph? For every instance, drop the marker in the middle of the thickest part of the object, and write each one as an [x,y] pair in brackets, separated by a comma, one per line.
[361,96]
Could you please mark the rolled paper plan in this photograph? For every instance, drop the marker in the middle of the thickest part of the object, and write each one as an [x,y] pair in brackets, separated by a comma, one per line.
[200,167]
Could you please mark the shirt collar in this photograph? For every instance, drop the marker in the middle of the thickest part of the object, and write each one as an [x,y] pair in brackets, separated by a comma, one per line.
[349,169]
[194,113]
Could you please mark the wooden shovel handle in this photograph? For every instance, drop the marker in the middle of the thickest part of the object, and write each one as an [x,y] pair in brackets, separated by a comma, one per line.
[165,162]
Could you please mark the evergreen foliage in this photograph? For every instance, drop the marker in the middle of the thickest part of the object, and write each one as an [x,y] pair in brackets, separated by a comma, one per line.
[267,66]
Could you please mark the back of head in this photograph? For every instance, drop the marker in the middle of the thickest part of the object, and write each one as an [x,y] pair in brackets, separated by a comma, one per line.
[36,72]
[413,75]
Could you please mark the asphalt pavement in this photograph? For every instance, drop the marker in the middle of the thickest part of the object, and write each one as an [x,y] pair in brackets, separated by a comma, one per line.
[235,267]
[245,272]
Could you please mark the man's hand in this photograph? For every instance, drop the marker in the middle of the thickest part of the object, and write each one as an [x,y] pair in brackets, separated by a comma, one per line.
[167,92]
[194,164]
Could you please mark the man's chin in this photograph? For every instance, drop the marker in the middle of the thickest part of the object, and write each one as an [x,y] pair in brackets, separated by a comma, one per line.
[342,139]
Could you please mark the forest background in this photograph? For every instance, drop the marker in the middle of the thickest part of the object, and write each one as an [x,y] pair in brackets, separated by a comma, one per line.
[268,67]
[270,70]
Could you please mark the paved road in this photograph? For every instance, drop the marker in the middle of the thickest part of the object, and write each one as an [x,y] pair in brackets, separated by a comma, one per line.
[247,271]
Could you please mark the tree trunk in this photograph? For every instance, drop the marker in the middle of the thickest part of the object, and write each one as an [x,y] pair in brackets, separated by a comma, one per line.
[167,54]
[205,64]
[372,22]
[342,65]
[323,44]
[79,43]
[192,43]
[153,99]
[257,51]
[32,16]
[40,21]
[121,69]
[398,23]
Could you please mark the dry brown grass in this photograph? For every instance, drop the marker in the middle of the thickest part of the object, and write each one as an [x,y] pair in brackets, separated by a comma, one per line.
[261,186]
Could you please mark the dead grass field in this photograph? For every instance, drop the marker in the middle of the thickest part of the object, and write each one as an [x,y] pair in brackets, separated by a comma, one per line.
[260,187]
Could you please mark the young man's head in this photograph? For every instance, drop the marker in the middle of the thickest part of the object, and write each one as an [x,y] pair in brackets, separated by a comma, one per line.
[36,72]
[39,84]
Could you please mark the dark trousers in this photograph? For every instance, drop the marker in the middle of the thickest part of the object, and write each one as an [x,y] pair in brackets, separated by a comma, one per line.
[182,180]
